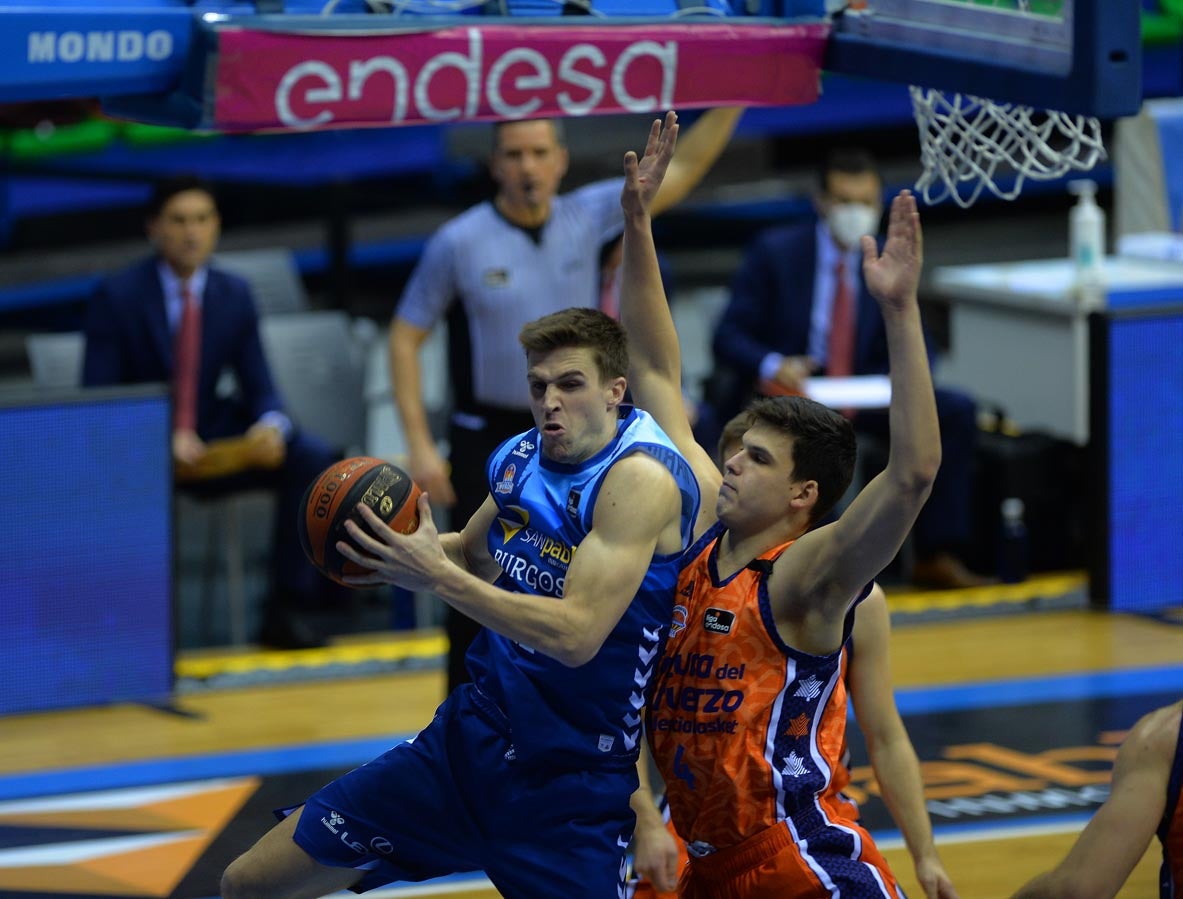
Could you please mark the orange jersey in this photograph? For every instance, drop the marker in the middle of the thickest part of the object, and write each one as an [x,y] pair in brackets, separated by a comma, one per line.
[1170,830]
[748,732]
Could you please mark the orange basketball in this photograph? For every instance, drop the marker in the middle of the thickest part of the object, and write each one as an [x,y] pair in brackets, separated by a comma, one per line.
[332,499]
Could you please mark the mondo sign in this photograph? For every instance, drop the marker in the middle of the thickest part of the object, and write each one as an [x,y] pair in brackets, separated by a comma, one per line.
[302,81]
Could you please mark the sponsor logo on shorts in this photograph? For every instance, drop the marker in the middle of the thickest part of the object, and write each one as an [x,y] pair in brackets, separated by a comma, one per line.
[607,741]
[333,822]
[718,621]
[496,277]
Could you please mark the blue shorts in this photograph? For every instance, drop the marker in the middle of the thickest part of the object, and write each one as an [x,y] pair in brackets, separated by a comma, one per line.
[454,799]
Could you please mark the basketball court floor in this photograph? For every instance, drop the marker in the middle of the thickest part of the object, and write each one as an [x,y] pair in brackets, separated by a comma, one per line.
[1015,705]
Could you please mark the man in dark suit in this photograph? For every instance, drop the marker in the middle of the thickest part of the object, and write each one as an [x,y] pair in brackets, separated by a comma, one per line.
[174,318]
[799,307]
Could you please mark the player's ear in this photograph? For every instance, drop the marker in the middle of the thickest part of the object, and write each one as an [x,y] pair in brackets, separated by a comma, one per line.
[804,495]
[616,390]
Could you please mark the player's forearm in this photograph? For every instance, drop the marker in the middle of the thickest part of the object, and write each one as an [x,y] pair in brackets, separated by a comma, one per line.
[407,385]
[644,310]
[549,625]
[1046,886]
[915,453]
[643,806]
[897,771]
[453,546]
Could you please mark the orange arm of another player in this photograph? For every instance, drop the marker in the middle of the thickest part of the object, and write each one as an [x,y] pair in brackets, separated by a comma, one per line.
[1117,836]
[830,564]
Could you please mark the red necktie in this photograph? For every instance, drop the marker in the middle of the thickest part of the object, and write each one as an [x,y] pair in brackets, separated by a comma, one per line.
[187,363]
[841,343]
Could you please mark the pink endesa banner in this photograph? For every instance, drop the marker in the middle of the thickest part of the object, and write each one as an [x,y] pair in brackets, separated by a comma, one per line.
[268,80]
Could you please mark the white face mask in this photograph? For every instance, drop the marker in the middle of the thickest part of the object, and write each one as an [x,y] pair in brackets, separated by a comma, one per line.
[850,221]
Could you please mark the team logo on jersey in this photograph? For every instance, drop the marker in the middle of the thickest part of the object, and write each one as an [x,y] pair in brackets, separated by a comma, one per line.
[496,277]
[524,449]
[512,519]
[681,616]
[573,503]
[505,485]
[718,621]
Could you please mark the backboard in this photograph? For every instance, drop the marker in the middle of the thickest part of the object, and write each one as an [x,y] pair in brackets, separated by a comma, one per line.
[1077,56]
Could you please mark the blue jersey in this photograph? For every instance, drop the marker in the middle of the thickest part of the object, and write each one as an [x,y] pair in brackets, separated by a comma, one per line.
[591,713]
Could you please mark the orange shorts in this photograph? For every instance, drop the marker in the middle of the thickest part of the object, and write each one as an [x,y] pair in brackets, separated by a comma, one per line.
[770,865]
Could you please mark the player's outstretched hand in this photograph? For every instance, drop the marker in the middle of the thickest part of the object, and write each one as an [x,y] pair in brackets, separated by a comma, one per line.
[655,855]
[934,880]
[893,276]
[413,561]
[643,177]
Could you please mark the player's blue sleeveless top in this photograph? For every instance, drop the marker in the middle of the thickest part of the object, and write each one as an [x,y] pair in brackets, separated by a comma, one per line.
[590,715]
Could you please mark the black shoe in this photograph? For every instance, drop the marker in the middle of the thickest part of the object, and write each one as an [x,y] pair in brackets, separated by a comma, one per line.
[286,631]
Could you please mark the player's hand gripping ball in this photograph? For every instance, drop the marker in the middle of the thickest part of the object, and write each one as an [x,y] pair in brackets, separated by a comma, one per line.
[332,499]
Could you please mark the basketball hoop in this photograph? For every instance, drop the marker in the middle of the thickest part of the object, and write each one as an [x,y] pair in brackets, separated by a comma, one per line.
[968,144]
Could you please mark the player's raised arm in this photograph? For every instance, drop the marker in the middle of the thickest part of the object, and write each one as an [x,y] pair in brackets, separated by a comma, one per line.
[843,556]
[655,370]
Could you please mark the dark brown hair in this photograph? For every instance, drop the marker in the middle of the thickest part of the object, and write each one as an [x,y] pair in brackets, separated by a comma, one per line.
[823,444]
[579,328]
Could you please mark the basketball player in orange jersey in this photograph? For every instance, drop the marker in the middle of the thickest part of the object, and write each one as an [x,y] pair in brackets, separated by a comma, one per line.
[658,850]
[1143,800]
[867,674]
[747,717]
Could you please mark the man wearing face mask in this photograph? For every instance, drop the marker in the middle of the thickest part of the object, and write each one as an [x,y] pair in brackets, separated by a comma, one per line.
[799,307]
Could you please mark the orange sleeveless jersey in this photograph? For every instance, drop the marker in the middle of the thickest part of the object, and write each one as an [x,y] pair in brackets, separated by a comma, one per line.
[748,732]
[1170,830]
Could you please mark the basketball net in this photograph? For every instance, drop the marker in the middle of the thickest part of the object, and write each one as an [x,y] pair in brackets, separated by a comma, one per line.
[969,144]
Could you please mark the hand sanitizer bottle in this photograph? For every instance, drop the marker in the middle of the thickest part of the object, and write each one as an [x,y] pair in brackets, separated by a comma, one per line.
[1012,543]
[1086,238]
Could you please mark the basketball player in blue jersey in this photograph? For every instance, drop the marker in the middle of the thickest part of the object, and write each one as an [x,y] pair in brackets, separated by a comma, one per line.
[527,252]
[570,564]
[1143,801]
